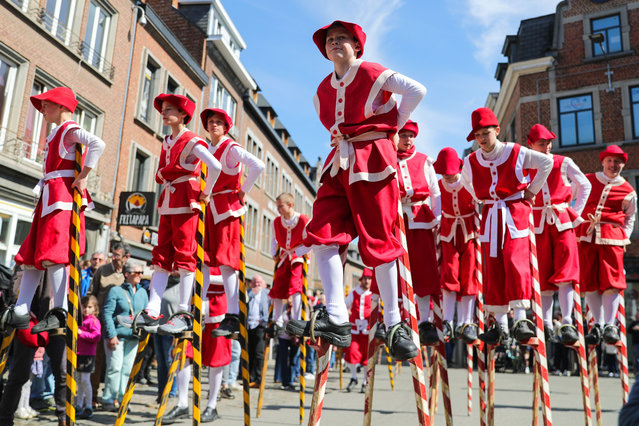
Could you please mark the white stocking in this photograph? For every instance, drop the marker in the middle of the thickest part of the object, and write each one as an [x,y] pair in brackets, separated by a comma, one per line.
[593,300]
[449,299]
[386,276]
[30,280]
[156,290]
[423,306]
[546,309]
[183,379]
[57,278]
[231,288]
[332,274]
[610,301]
[187,279]
[278,311]
[467,306]
[215,382]
[296,309]
[566,295]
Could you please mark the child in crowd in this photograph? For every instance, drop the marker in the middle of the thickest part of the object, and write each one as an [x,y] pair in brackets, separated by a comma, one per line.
[89,334]
[358,302]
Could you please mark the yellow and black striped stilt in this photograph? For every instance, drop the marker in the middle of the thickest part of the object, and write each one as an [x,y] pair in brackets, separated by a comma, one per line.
[130,386]
[74,289]
[244,361]
[4,350]
[303,340]
[178,355]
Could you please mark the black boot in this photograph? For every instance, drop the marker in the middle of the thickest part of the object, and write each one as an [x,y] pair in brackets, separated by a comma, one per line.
[611,334]
[209,415]
[335,334]
[594,336]
[523,330]
[175,414]
[494,335]
[568,334]
[54,319]
[427,333]
[468,333]
[399,342]
[10,320]
[447,330]
[351,385]
[229,327]
[380,333]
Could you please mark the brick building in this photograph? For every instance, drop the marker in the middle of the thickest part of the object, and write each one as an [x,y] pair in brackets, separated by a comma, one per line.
[577,72]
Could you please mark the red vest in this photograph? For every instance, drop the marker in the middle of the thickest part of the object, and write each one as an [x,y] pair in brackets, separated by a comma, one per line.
[288,238]
[360,311]
[225,201]
[458,209]
[414,191]
[181,180]
[603,214]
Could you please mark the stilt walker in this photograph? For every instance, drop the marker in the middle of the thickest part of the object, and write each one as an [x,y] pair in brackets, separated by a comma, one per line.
[303,340]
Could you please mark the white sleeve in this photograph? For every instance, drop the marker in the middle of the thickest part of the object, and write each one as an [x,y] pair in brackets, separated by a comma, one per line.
[349,300]
[580,184]
[255,166]
[411,91]
[95,145]
[435,193]
[540,162]
[273,244]
[629,208]
[467,178]
[214,167]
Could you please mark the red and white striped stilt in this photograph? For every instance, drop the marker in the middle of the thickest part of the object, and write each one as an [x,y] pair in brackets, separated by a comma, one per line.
[593,370]
[481,353]
[490,384]
[469,361]
[441,355]
[536,393]
[622,349]
[324,359]
[433,383]
[373,346]
[580,347]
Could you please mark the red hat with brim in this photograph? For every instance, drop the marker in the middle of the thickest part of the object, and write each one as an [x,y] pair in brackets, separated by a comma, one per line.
[319,37]
[410,126]
[366,273]
[59,95]
[179,101]
[539,131]
[205,114]
[482,117]
[613,151]
[448,163]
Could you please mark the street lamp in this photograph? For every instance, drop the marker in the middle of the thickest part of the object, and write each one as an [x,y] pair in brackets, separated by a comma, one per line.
[599,39]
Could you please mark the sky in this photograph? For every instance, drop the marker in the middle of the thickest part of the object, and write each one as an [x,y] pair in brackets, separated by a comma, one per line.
[452,47]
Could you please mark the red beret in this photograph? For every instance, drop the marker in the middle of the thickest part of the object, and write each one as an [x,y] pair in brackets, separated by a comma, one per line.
[448,163]
[366,273]
[59,95]
[410,126]
[204,116]
[319,37]
[613,151]
[539,131]
[179,101]
[481,117]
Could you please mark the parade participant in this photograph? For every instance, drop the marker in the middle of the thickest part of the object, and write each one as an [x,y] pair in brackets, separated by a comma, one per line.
[555,221]
[179,203]
[47,244]
[496,176]
[358,190]
[222,240]
[609,217]
[288,229]
[86,275]
[358,302]
[421,203]
[257,320]
[89,335]
[458,245]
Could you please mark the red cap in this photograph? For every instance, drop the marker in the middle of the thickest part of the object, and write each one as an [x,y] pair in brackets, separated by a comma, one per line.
[539,131]
[613,151]
[366,273]
[179,101]
[204,116]
[59,95]
[482,117]
[410,126]
[448,163]
[319,37]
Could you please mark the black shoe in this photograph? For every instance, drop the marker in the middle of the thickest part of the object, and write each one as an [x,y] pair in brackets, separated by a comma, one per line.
[149,381]
[594,336]
[143,320]
[10,320]
[178,323]
[568,334]
[548,333]
[86,413]
[523,330]
[363,389]
[468,333]
[54,319]
[399,342]
[351,385]
[447,330]
[209,415]
[427,333]
[380,333]
[494,335]
[229,327]
[176,413]
[611,334]
[335,334]
[227,393]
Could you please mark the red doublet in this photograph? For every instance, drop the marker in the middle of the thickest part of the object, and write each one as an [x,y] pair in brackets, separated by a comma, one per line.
[357,185]
[357,352]
[178,204]
[222,240]
[602,237]
[457,235]
[288,275]
[554,218]
[48,238]
[420,221]
[500,184]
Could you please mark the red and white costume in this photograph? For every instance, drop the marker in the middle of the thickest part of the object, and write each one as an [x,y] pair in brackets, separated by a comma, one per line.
[287,236]
[359,303]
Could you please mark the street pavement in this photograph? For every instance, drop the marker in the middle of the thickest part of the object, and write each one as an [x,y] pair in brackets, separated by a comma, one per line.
[513,398]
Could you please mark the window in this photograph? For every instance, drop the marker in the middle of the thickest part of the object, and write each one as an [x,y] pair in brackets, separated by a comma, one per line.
[141,171]
[251,225]
[610,27]
[576,123]
[149,83]
[8,70]
[634,105]
[254,147]
[96,35]
[308,207]
[57,18]
[36,129]
[287,184]
[272,176]
[15,222]
[299,199]
[221,98]
[267,234]
[86,119]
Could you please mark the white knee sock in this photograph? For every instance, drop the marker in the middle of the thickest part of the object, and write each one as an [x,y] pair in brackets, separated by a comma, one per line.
[58,279]
[29,283]
[423,306]
[610,302]
[467,310]
[449,299]
[566,295]
[353,368]
[187,280]
[332,274]
[520,314]
[159,280]
[231,288]
[502,319]
[546,308]
[206,279]
[278,311]
[215,382]
[593,300]
[183,379]
[386,276]
[296,308]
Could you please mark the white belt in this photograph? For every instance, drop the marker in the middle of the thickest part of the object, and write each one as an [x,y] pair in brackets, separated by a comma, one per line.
[286,254]
[51,175]
[169,184]
[499,207]
[549,212]
[226,191]
[344,149]
[459,220]
[595,221]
